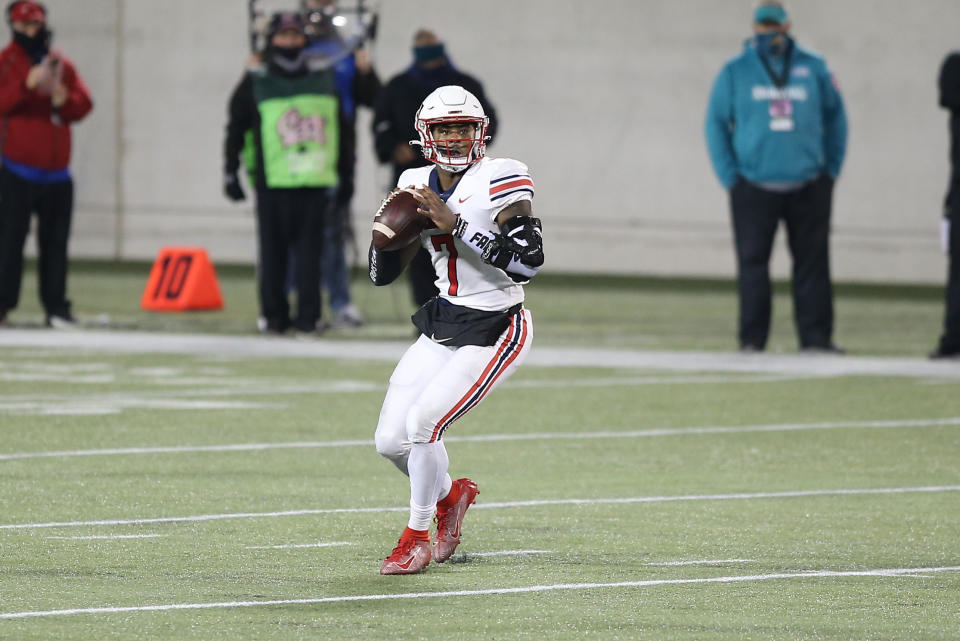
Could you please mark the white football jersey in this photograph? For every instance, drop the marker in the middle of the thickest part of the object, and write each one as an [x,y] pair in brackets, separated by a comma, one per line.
[486,188]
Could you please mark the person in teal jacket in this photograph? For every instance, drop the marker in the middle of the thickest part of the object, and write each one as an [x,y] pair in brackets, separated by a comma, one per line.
[776,133]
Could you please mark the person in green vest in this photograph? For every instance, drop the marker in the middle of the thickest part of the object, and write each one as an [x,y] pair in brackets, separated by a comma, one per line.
[296,118]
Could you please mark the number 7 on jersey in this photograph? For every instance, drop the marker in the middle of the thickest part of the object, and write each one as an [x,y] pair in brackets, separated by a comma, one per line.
[446,241]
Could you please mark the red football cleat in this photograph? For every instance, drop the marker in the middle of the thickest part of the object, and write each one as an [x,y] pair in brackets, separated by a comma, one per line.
[409,557]
[450,519]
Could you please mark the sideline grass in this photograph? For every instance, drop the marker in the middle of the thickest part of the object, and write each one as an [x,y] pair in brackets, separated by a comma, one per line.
[629,312]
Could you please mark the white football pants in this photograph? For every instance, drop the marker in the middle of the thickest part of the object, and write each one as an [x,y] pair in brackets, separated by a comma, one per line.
[431,387]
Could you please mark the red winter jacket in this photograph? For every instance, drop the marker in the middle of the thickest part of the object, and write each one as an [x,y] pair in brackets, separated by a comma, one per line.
[29,132]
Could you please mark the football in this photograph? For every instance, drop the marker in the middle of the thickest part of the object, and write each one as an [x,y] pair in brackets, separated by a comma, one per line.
[397,223]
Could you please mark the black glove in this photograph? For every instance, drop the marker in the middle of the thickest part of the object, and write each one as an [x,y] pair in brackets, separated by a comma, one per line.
[500,251]
[232,188]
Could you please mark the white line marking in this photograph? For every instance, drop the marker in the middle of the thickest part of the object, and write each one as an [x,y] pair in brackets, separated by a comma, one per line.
[94,405]
[240,447]
[106,537]
[114,341]
[56,368]
[221,387]
[722,497]
[207,517]
[704,562]
[114,402]
[158,372]
[490,438]
[93,410]
[39,377]
[298,546]
[891,572]
[504,553]
[679,379]
[480,506]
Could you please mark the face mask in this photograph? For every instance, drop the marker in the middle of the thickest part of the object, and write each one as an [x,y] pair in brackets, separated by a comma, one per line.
[772,45]
[288,53]
[287,59]
[37,46]
[428,53]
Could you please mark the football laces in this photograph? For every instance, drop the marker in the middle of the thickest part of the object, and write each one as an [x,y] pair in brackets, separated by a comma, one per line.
[386,201]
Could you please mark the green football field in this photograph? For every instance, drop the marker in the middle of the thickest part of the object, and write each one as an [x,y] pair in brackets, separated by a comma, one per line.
[179,477]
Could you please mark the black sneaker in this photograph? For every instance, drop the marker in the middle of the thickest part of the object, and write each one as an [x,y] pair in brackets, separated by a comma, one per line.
[943,353]
[830,348]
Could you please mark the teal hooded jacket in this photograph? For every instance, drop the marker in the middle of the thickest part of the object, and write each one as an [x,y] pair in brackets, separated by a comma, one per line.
[752,132]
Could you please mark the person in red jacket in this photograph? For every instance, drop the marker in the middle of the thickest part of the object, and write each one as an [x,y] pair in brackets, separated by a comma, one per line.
[41,95]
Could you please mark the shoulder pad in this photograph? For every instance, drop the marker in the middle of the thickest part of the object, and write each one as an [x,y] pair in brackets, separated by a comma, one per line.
[501,167]
[509,179]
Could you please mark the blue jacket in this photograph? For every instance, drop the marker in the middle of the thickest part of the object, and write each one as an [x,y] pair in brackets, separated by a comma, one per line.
[743,137]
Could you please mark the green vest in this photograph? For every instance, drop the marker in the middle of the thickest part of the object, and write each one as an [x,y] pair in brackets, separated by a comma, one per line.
[299,131]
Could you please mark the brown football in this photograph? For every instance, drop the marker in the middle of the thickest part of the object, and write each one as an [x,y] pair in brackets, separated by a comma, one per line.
[397,223]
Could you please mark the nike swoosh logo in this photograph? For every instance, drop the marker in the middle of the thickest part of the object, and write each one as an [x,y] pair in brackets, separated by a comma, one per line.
[406,565]
[434,338]
[463,200]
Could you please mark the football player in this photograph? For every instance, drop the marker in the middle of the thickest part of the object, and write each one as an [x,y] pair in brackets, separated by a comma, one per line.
[485,244]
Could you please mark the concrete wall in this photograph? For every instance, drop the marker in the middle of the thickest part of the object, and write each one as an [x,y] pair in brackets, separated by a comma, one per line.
[603,100]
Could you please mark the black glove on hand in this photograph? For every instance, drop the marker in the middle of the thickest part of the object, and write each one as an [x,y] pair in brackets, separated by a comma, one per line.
[232,188]
[500,251]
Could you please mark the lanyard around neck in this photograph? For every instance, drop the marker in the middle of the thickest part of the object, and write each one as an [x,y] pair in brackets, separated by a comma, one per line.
[779,81]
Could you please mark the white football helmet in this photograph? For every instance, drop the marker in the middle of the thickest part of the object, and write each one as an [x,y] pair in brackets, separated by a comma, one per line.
[451,104]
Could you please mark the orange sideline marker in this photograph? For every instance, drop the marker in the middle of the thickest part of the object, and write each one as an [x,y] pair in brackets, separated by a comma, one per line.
[182,278]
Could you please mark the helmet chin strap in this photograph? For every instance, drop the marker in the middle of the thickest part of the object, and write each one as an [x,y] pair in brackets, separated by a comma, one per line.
[454,169]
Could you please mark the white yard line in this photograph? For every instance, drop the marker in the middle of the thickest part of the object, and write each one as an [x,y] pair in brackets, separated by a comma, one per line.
[40,377]
[390,351]
[240,447]
[93,406]
[487,438]
[509,504]
[575,587]
[106,537]
[253,387]
[87,404]
[54,368]
[504,553]
[677,379]
[703,562]
[298,546]
[221,387]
